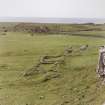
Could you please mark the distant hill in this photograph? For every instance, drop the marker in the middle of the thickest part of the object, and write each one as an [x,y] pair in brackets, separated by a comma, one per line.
[49,28]
[52,20]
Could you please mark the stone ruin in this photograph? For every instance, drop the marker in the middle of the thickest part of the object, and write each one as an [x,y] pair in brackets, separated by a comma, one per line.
[55,60]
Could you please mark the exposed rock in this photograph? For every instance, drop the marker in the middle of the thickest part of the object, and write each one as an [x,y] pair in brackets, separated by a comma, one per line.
[41,97]
[50,76]
[84,47]
[68,50]
[33,70]
[101,62]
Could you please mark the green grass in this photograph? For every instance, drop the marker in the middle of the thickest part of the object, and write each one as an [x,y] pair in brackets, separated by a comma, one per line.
[76,85]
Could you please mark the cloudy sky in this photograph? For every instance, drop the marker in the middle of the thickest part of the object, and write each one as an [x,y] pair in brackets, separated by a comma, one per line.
[53,8]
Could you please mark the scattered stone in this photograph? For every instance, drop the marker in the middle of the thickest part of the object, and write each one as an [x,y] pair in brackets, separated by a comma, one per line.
[50,76]
[65,102]
[84,47]
[68,51]
[33,70]
[41,97]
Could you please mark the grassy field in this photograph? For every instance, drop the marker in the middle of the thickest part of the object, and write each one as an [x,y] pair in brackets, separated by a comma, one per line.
[77,84]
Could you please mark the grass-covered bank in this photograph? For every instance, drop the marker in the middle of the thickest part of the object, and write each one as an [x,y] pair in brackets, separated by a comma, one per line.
[76,85]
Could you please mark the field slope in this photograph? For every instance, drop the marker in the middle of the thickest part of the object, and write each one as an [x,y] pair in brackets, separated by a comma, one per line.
[77,83]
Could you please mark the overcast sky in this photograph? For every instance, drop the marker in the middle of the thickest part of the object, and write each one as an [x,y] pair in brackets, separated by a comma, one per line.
[53,8]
